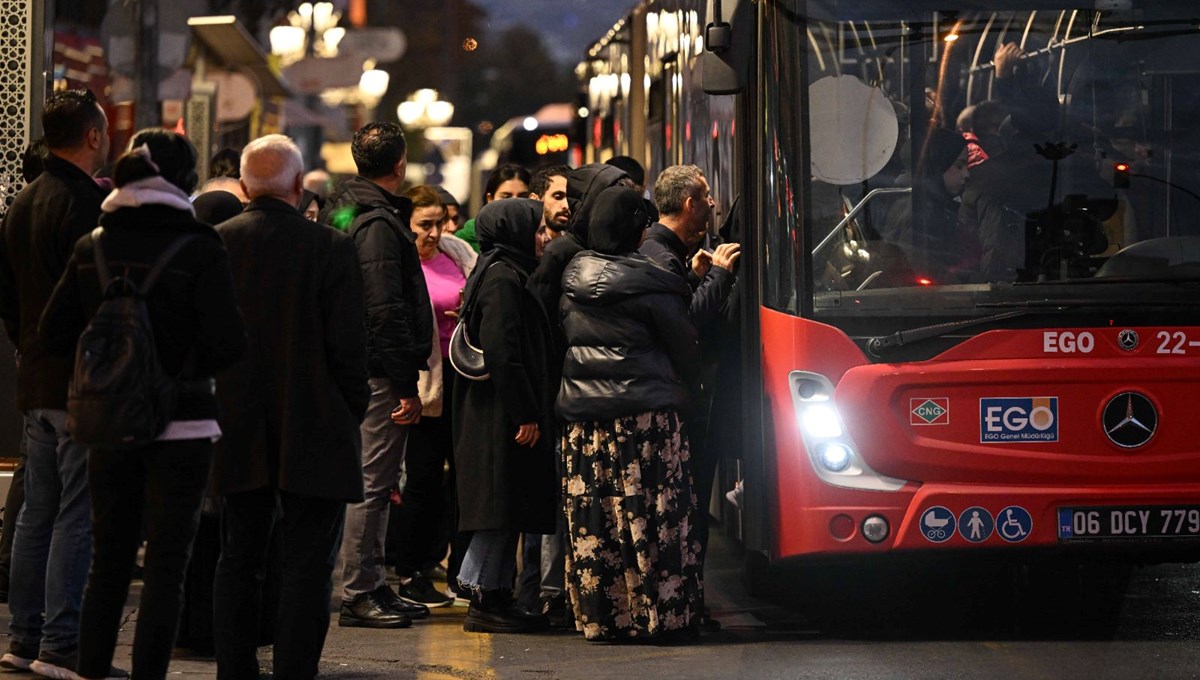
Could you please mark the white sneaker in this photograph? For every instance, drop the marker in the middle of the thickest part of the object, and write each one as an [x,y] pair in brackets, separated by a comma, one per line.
[735,496]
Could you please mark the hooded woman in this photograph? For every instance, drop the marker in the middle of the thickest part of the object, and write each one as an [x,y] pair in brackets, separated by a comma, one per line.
[197,332]
[503,455]
[925,225]
[633,562]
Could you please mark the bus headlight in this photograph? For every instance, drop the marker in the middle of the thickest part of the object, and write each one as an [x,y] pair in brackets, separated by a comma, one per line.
[831,449]
[835,456]
[820,421]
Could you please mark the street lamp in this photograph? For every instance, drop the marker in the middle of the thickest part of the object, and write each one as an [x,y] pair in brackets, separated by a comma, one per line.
[312,30]
[424,109]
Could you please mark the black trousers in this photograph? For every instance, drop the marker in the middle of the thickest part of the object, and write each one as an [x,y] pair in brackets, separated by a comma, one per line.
[421,526]
[309,532]
[160,486]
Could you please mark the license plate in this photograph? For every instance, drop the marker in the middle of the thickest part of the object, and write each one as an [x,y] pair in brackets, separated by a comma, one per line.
[1128,522]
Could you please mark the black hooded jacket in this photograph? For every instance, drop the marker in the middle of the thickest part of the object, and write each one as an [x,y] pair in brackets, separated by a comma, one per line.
[399,314]
[584,185]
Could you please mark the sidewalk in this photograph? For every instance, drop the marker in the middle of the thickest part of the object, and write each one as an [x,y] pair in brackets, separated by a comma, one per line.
[438,648]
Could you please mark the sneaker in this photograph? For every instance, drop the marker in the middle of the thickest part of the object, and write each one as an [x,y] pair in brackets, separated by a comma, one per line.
[18,658]
[735,496]
[436,573]
[60,665]
[420,590]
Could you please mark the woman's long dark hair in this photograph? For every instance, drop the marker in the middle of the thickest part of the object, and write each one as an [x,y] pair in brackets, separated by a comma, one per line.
[169,154]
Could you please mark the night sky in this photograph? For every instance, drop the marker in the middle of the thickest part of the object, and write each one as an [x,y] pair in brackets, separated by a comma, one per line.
[568,26]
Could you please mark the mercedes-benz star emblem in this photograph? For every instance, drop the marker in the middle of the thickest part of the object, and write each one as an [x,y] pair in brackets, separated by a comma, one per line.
[1130,420]
[1128,339]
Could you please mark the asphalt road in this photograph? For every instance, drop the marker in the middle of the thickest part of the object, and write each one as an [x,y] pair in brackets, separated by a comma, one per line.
[980,619]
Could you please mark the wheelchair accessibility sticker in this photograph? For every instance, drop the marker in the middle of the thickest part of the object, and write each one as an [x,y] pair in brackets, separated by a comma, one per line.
[937,524]
[976,524]
[1014,524]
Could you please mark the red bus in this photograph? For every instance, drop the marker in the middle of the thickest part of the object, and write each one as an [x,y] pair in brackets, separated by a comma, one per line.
[939,358]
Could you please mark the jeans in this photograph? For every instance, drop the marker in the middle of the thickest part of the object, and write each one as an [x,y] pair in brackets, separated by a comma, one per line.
[383,442]
[529,583]
[162,486]
[310,530]
[12,508]
[53,543]
[490,562]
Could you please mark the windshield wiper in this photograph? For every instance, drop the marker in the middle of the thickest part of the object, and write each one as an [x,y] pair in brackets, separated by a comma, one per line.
[907,337]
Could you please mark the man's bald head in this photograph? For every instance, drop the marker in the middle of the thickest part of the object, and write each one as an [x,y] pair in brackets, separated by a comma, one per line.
[272,166]
[229,184]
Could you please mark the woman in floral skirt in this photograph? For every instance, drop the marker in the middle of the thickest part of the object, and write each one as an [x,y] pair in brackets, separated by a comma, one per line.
[633,562]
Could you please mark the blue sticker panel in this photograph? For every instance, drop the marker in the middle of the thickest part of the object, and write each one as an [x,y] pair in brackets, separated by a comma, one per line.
[1014,524]
[1018,419]
[976,524]
[937,524]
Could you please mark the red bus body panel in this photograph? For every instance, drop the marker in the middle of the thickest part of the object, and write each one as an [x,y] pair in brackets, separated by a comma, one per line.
[946,463]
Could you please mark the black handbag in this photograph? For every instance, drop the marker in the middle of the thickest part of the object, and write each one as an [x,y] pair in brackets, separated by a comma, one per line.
[465,357]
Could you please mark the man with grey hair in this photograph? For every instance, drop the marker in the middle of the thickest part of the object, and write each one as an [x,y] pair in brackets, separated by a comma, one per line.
[685,204]
[293,405]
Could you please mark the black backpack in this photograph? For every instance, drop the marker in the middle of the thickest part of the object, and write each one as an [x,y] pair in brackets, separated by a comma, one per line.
[119,397]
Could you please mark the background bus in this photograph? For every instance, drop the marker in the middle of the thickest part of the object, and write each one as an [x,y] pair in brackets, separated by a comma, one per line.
[1000,362]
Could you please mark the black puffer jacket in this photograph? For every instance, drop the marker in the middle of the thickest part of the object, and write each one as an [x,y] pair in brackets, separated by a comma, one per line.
[631,344]
[399,315]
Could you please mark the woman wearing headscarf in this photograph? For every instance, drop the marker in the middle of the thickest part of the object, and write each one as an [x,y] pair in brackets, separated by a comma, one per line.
[633,562]
[506,478]
[198,331]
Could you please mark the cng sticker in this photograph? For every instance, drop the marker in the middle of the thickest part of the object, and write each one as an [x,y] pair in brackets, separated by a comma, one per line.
[1018,419]
[937,524]
[931,411]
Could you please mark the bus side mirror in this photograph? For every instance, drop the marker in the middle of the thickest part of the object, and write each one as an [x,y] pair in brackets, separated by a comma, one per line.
[727,44]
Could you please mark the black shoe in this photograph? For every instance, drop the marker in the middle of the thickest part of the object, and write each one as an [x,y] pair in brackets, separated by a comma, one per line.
[421,591]
[556,613]
[707,623]
[367,612]
[493,612]
[388,597]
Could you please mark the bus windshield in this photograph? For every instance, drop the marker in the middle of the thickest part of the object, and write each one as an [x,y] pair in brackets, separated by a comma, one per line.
[993,157]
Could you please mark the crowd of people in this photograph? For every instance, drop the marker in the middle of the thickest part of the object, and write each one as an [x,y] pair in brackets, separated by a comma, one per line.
[317,427]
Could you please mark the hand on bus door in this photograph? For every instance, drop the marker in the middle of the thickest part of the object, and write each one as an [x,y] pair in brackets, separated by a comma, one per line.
[726,255]
[701,262]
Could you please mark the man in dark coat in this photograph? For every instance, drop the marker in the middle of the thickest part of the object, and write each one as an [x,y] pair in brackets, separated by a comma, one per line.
[292,407]
[52,546]
[399,336]
[685,203]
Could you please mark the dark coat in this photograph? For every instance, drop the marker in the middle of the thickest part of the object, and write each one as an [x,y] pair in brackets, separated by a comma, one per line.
[709,293]
[40,229]
[398,313]
[192,306]
[502,485]
[632,347]
[293,404]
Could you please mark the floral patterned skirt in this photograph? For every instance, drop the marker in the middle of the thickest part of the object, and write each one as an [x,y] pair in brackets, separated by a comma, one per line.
[633,560]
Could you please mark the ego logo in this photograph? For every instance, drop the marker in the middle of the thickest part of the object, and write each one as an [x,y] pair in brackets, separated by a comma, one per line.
[1018,419]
